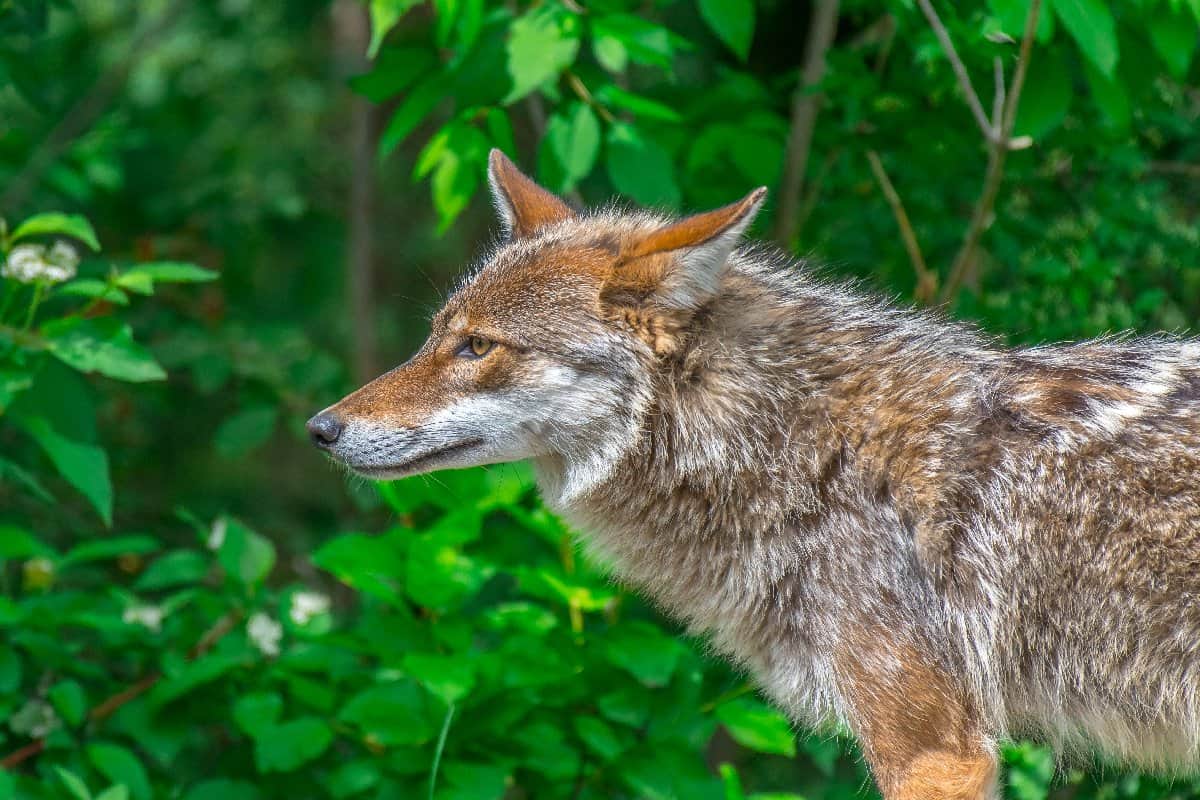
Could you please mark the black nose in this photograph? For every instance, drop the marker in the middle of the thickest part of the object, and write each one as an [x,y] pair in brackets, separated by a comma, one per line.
[324,429]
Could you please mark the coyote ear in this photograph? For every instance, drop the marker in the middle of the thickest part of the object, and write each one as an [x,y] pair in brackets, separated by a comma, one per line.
[685,260]
[524,207]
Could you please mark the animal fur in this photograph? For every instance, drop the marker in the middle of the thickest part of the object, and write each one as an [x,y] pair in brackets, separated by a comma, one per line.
[890,519]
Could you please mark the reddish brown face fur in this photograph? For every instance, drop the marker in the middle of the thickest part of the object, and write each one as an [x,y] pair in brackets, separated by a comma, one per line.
[560,304]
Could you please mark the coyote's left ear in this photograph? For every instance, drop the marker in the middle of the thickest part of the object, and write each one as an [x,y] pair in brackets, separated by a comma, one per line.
[524,206]
[680,266]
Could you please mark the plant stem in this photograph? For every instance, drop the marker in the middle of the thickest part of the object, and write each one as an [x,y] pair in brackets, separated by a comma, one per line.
[441,746]
[38,288]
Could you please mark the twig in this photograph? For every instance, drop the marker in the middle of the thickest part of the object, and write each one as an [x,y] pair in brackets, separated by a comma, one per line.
[108,707]
[582,91]
[812,192]
[926,279]
[998,148]
[960,70]
[1175,168]
[998,93]
[805,106]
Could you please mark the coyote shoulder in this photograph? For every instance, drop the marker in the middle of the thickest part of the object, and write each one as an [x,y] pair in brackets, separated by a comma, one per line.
[891,520]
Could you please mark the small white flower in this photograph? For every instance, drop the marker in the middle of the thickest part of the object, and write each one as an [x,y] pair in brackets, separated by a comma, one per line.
[28,263]
[64,254]
[306,605]
[216,536]
[25,263]
[35,719]
[265,633]
[149,616]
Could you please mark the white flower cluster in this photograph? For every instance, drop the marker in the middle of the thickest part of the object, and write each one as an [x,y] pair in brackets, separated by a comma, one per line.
[149,616]
[35,719]
[306,605]
[216,536]
[30,263]
[265,634]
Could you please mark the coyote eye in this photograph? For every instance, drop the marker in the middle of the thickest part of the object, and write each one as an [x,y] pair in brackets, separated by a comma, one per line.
[477,346]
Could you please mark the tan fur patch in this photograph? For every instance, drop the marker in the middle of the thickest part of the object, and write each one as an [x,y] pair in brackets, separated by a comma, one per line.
[919,732]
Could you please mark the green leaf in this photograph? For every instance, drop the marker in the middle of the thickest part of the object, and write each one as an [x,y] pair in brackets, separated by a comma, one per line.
[369,564]
[15,473]
[353,778]
[257,713]
[54,223]
[753,724]
[12,383]
[1045,102]
[286,747]
[1091,25]
[641,41]
[84,466]
[120,765]
[93,289]
[1174,37]
[384,16]
[396,713]
[542,43]
[136,282]
[1011,15]
[110,548]
[640,168]
[611,53]
[574,138]
[223,789]
[118,792]
[613,95]
[411,113]
[649,654]
[439,574]
[599,737]
[73,783]
[246,556]
[171,272]
[447,677]
[10,670]
[245,431]
[1111,97]
[17,543]
[193,675]
[69,700]
[732,21]
[102,345]
[395,70]
[178,568]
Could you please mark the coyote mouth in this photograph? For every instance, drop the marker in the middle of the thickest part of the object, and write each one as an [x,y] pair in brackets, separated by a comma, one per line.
[418,463]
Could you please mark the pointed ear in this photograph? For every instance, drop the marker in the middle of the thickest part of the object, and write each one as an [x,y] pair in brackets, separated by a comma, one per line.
[685,260]
[524,207]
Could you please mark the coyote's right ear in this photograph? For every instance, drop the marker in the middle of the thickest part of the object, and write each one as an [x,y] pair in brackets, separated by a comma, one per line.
[524,207]
[679,267]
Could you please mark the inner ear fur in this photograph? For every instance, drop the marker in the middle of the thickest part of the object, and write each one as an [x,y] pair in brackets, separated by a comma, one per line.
[524,207]
[679,266]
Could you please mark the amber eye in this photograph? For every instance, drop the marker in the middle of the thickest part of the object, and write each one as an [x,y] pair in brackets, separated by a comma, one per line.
[479,346]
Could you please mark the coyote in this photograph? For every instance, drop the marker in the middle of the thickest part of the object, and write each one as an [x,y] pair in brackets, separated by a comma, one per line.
[892,521]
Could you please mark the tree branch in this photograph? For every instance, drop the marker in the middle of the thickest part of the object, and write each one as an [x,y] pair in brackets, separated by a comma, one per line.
[805,106]
[981,217]
[926,279]
[110,706]
[960,71]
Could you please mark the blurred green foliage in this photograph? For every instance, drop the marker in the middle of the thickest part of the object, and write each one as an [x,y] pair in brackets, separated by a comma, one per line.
[194,607]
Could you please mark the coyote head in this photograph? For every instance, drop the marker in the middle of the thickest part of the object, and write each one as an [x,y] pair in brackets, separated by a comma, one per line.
[550,350]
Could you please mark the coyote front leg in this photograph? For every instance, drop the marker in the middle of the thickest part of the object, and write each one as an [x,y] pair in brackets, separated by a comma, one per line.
[920,735]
